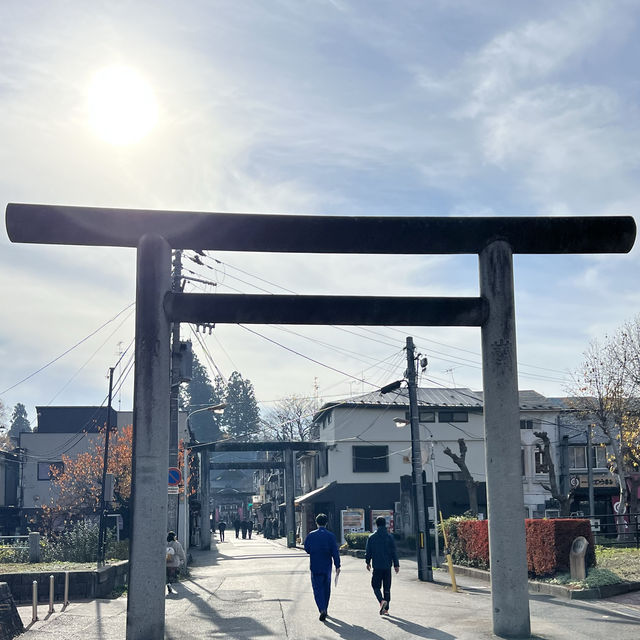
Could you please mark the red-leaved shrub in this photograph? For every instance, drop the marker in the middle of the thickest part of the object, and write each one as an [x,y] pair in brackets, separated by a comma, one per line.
[549,544]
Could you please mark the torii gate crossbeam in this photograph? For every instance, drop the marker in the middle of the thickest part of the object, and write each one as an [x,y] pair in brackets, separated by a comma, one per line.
[494,240]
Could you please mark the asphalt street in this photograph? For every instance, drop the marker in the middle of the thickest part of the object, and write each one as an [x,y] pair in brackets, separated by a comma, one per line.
[258,588]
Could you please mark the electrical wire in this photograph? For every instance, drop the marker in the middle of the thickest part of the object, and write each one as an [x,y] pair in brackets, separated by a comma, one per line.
[69,350]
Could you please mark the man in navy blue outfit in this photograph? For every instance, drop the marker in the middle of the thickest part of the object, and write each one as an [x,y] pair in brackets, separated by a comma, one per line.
[381,549]
[322,547]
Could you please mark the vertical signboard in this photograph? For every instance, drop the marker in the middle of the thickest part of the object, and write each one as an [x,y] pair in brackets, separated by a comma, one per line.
[351,521]
[387,514]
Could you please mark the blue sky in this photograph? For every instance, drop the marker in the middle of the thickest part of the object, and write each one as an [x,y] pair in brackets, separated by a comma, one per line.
[326,107]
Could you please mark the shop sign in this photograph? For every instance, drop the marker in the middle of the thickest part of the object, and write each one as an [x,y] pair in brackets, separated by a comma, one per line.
[601,480]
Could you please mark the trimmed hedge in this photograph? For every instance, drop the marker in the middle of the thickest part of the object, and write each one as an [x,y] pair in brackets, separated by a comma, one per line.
[357,540]
[548,543]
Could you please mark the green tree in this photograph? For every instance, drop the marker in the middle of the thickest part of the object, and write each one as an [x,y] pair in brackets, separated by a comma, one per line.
[198,394]
[19,423]
[241,417]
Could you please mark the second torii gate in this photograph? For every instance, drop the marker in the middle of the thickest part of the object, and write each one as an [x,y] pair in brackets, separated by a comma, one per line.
[155,233]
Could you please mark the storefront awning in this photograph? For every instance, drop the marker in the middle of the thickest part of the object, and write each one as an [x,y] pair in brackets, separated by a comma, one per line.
[312,495]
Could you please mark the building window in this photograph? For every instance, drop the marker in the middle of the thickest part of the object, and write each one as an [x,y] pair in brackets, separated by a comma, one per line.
[449,475]
[541,467]
[526,424]
[453,416]
[323,463]
[577,457]
[45,468]
[524,470]
[425,416]
[370,459]
[600,457]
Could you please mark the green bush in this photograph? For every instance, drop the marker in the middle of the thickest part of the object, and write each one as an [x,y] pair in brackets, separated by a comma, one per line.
[357,540]
[14,553]
[117,550]
[79,543]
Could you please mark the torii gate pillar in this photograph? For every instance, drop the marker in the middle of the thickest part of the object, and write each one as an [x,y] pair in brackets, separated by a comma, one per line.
[150,456]
[509,585]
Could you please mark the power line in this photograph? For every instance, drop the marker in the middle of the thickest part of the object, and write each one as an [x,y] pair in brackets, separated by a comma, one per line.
[64,353]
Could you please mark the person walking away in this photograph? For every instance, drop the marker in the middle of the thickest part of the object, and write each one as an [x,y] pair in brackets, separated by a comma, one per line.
[249,527]
[243,526]
[222,527]
[381,551]
[236,526]
[275,529]
[267,529]
[175,557]
[322,547]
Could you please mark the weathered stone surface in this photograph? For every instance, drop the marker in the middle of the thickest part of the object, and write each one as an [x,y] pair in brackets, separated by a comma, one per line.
[10,622]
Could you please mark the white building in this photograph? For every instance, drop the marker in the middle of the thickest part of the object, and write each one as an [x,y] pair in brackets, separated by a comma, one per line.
[367,455]
[66,431]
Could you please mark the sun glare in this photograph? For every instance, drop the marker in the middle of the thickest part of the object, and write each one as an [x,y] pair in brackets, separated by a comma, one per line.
[122,106]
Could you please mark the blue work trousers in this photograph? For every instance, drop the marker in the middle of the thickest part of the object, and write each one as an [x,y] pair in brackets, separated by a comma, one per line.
[321,583]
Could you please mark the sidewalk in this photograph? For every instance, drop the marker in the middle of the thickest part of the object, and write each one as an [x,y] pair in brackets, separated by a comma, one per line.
[241,591]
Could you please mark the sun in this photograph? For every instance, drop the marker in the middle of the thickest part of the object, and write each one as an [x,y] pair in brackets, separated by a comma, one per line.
[122,106]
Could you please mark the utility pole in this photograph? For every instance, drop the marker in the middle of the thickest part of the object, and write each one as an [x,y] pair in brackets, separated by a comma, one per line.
[103,505]
[592,507]
[425,572]
[173,499]
[434,490]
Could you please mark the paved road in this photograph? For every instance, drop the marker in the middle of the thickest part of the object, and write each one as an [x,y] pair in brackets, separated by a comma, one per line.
[259,589]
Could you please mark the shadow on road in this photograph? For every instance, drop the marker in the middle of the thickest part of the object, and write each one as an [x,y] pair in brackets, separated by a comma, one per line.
[350,631]
[417,629]
[208,620]
[600,608]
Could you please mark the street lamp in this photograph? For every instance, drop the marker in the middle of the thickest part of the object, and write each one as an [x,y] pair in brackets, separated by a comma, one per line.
[204,476]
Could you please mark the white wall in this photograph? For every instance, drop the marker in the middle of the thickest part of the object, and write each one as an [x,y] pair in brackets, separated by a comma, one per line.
[344,427]
[49,447]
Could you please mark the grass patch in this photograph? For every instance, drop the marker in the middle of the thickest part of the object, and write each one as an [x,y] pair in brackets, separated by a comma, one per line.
[41,567]
[613,566]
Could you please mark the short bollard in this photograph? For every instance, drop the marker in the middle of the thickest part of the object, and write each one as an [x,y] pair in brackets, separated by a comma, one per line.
[576,558]
[51,586]
[34,599]
[66,590]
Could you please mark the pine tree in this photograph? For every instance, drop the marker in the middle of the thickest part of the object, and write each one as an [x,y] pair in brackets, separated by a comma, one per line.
[198,394]
[241,418]
[19,423]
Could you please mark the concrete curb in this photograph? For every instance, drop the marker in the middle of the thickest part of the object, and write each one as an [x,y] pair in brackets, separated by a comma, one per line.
[559,590]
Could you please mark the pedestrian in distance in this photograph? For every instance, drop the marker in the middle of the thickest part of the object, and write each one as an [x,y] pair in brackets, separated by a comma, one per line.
[236,526]
[267,528]
[243,526]
[175,556]
[322,547]
[275,529]
[381,552]
[222,527]
[249,527]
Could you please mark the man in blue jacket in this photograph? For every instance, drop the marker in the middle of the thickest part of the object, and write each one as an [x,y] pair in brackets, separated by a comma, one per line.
[322,547]
[381,550]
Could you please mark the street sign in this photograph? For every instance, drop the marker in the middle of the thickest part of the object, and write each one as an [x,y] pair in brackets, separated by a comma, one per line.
[172,490]
[175,477]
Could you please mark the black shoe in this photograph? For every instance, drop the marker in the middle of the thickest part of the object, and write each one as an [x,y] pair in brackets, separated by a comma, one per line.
[169,589]
[323,615]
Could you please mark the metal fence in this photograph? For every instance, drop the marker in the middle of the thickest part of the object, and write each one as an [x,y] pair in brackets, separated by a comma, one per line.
[614,530]
[14,549]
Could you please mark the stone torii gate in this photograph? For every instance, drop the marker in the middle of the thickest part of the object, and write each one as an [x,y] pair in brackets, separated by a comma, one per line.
[155,233]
